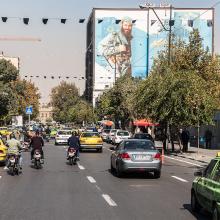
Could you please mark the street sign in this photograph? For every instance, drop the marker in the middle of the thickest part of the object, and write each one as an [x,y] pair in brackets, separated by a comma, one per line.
[29,110]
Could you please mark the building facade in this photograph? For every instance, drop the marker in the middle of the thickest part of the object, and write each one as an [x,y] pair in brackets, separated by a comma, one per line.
[126,41]
[45,114]
[14,60]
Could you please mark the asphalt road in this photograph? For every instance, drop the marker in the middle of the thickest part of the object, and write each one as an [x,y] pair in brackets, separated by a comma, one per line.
[90,191]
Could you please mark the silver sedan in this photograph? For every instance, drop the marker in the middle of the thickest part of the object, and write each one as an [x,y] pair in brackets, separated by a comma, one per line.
[136,155]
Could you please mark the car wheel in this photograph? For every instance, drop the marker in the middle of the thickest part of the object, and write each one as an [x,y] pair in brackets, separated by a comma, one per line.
[215,214]
[56,143]
[194,203]
[99,150]
[118,171]
[157,174]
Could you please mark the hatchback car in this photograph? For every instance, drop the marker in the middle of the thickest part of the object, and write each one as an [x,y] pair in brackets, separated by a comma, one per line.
[136,155]
[104,134]
[205,192]
[111,135]
[62,136]
[91,140]
[120,136]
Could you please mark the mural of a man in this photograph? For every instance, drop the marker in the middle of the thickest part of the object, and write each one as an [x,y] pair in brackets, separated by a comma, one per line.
[116,48]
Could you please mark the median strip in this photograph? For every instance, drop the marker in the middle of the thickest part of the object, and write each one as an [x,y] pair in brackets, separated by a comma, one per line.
[109,200]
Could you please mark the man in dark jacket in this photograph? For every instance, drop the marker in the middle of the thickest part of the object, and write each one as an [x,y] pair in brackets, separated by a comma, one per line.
[73,142]
[37,143]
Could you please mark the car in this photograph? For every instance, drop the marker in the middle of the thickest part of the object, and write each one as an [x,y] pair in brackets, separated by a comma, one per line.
[62,136]
[4,131]
[110,135]
[120,136]
[3,152]
[104,134]
[143,136]
[91,140]
[205,191]
[136,155]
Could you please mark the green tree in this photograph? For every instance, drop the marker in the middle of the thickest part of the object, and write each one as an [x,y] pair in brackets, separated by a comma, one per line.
[118,101]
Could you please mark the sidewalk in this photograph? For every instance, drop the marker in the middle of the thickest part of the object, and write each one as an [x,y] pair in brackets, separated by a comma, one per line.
[201,155]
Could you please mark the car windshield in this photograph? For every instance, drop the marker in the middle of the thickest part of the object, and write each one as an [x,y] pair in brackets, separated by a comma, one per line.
[64,132]
[123,133]
[136,145]
[142,136]
[92,134]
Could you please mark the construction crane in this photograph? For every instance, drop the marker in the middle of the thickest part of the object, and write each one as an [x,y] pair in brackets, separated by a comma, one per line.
[19,38]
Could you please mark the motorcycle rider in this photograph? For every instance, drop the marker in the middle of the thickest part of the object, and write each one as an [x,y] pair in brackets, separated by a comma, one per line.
[37,143]
[14,147]
[73,142]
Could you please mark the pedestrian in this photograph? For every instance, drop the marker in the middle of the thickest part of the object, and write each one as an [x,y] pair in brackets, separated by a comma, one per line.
[208,139]
[185,139]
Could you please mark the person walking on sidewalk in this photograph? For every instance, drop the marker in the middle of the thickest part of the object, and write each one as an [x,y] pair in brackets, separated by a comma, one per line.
[185,139]
[208,139]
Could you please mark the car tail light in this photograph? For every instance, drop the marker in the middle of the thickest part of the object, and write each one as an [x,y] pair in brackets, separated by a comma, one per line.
[1,152]
[125,156]
[157,156]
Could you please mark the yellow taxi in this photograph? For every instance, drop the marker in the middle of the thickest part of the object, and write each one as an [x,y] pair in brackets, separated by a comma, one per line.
[3,152]
[91,140]
[4,131]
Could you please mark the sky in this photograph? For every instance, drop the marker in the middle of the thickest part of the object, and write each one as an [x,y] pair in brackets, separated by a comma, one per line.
[61,51]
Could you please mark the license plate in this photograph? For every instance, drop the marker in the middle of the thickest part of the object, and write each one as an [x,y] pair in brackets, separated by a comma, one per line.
[142,157]
[71,154]
[37,156]
[12,160]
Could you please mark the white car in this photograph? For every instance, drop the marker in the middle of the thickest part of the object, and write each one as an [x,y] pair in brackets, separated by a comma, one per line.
[62,136]
[120,136]
[111,135]
[104,134]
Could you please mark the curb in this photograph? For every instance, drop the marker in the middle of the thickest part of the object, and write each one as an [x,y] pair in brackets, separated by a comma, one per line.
[190,158]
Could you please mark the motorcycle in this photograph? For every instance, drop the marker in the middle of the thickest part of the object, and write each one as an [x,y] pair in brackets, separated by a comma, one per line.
[37,159]
[13,166]
[25,146]
[72,156]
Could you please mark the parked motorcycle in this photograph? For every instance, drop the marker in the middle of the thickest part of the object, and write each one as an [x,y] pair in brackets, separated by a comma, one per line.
[37,159]
[72,156]
[13,165]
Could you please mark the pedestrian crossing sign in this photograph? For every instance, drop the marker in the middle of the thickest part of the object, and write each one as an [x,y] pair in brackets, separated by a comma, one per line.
[29,110]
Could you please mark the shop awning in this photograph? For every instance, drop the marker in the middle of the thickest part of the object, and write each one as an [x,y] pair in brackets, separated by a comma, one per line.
[107,123]
[144,122]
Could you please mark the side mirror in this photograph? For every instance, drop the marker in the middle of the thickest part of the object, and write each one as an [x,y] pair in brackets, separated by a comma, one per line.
[198,173]
[112,148]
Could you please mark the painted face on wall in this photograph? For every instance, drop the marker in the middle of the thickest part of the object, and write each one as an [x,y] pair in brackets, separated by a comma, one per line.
[126,28]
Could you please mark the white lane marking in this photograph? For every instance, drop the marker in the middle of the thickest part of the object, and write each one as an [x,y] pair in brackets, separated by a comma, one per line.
[81,167]
[98,188]
[91,179]
[183,161]
[109,200]
[180,179]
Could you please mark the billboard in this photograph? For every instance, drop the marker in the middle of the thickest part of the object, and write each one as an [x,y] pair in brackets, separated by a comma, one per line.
[128,40]
[120,45]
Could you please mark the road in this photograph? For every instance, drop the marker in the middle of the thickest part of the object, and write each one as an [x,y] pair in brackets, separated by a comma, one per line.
[90,191]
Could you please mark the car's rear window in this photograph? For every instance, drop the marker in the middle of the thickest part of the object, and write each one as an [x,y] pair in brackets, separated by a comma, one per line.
[136,145]
[106,131]
[142,136]
[64,132]
[123,133]
[92,134]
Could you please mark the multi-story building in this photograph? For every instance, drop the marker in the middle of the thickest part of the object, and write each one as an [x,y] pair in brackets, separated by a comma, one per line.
[45,114]
[126,41]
